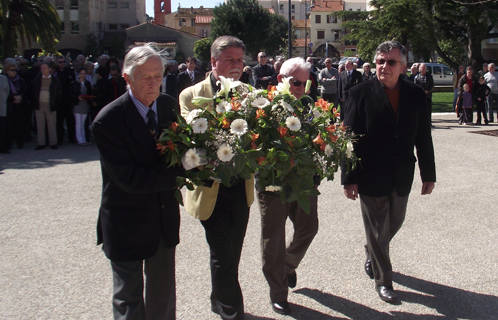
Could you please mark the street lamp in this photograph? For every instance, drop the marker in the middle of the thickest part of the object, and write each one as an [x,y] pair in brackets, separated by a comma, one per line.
[290,32]
[306,28]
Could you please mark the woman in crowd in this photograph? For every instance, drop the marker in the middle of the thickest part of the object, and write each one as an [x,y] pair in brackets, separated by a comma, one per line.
[16,107]
[79,89]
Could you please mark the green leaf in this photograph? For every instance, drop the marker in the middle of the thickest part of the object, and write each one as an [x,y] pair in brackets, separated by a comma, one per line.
[178,197]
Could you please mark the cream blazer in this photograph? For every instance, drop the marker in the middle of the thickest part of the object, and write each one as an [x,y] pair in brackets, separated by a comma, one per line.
[200,202]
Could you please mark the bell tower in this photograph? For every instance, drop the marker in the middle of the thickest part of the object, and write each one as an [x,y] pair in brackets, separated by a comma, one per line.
[161,8]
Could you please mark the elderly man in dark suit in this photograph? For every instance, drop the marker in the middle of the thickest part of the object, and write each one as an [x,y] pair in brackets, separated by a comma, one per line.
[139,218]
[263,73]
[189,77]
[347,80]
[390,116]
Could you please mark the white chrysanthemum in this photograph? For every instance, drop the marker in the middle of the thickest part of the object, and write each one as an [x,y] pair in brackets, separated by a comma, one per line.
[200,125]
[293,123]
[286,106]
[260,102]
[329,151]
[192,115]
[349,150]
[191,159]
[238,127]
[273,188]
[223,106]
[225,153]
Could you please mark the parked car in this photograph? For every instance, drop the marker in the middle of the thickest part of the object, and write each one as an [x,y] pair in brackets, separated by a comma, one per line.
[359,62]
[441,73]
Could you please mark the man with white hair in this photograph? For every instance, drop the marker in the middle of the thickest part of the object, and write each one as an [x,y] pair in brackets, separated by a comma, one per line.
[280,262]
[390,117]
[139,217]
[492,81]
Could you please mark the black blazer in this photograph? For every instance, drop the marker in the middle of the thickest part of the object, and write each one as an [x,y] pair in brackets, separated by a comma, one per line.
[138,203]
[345,84]
[55,90]
[185,82]
[75,91]
[387,139]
[171,85]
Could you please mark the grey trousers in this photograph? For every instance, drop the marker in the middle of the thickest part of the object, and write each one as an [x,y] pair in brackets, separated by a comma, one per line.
[382,217]
[159,302]
[279,260]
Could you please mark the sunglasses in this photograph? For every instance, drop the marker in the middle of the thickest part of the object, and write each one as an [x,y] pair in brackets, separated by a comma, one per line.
[262,56]
[13,70]
[391,63]
[297,83]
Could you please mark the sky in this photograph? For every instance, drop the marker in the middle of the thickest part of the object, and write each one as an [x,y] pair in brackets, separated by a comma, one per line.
[149,4]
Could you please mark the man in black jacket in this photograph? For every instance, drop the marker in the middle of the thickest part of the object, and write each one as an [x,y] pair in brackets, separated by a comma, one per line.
[64,111]
[139,218]
[390,117]
[189,77]
[263,74]
[347,80]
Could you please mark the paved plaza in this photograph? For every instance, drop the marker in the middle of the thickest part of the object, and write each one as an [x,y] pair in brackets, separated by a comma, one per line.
[445,257]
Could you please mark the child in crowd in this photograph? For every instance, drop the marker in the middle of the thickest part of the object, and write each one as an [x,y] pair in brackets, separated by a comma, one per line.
[466,115]
[480,93]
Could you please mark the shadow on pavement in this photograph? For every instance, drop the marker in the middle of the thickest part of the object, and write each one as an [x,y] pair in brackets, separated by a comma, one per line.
[452,302]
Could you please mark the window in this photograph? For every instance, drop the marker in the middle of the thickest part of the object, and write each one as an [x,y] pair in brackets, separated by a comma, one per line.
[113,5]
[62,28]
[113,26]
[298,33]
[331,19]
[182,22]
[124,26]
[281,8]
[293,17]
[192,22]
[124,5]
[320,34]
[204,33]
[75,27]
[59,4]
[336,35]
[74,4]
[437,71]
[293,8]
[447,71]
[318,18]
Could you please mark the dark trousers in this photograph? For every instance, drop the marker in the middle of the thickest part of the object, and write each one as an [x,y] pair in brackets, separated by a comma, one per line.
[279,260]
[428,101]
[382,217]
[466,116]
[65,112]
[159,302]
[225,231]
[481,109]
[3,125]
[16,125]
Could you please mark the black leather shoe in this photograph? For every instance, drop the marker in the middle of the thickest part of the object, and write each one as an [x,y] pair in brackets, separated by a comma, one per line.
[368,269]
[40,147]
[281,307]
[292,280]
[386,293]
[213,308]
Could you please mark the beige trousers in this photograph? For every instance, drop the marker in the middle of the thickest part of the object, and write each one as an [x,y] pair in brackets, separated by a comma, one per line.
[44,115]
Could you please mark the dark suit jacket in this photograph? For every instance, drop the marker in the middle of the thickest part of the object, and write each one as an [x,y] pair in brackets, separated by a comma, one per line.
[171,86]
[55,93]
[75,91]
[387,139]
[185,82]
[259,71]
[138,203]
[345,84]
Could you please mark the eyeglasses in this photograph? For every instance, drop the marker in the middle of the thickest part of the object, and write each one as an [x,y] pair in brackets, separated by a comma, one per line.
[262,56]
[13,70]
[327,62]
[391,63]
[297,83]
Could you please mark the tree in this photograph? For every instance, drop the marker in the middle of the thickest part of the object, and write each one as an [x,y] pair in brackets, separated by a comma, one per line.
[92,46]
[26,20]
[426,26]
[254,25]
[202,49]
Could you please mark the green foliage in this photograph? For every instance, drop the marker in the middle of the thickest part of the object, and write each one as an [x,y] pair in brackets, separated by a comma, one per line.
[349,53]
[180,57]
[26,20]
[254,25]
[202,49]
[426,26]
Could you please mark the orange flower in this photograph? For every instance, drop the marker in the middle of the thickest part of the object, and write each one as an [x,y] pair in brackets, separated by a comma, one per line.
[253,146]
[271,92]
[171,146]
[161,147]
[335,113]
[322,147]
[283,131]
[292,162]
[260,113]
[254,136]
[333,137]
[173,126]
[261,160]
[318,140]
[226,123]
[235,104]
[330,129]
[322,104]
